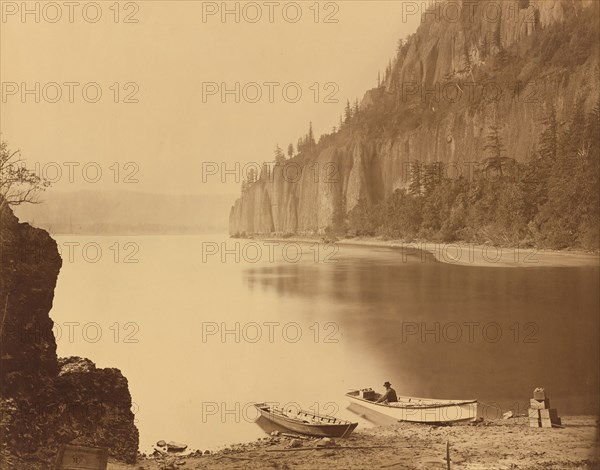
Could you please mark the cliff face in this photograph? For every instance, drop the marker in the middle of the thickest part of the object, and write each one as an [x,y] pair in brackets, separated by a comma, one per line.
[46,401]
[441,96]
[30,266]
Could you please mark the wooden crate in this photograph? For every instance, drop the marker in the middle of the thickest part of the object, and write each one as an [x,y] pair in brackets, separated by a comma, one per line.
[539,404]
[367,394]
[81,458]
[550,413]
[534,417]
[534,423]
[549,418]
[550,423]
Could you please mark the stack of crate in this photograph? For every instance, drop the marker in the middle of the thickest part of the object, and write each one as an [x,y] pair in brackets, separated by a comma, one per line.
[367,394]
[540,413]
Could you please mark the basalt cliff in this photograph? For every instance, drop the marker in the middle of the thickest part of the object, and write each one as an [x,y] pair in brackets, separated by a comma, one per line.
[46,401]
[470,67]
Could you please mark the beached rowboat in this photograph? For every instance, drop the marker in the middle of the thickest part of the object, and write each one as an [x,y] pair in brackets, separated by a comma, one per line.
[306,422]
[417,410]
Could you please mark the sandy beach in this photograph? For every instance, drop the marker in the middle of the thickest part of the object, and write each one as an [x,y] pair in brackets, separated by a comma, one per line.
[489,445]
[468,254]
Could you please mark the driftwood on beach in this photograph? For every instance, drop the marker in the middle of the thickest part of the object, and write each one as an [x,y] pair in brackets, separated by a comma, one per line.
[330,448]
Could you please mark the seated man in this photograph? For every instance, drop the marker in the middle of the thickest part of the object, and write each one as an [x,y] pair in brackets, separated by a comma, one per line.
[389,396]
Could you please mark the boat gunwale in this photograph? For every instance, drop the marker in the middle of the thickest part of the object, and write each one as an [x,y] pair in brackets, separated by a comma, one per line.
[412,406]
[338,422]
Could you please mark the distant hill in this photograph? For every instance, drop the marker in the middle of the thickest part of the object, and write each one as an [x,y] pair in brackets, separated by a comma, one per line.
[127,212]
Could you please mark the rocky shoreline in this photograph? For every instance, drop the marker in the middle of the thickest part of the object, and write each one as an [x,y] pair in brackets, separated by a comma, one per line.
[464,254]
[500,444]
[485,445]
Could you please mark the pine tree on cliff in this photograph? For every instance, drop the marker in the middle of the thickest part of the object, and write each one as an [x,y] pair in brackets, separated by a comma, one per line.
[415,186]
[311,137]
[251,176]
[400,48]
[279,155]
[574,136]
[584,135]
[347,112]
[493,149]
[541,168]
[306,143]
[571,193]
[388,70]
[432,176]
[548,152]
[549,138]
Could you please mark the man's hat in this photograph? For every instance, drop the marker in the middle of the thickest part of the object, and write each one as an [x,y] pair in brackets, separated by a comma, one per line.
[387,384]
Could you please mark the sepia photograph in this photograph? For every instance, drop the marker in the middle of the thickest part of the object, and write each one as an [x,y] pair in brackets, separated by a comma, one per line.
[300,235]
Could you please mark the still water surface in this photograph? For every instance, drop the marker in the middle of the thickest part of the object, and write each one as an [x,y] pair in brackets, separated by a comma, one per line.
[200,340]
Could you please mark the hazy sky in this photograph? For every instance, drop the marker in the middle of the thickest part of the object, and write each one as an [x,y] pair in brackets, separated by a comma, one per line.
[168,59]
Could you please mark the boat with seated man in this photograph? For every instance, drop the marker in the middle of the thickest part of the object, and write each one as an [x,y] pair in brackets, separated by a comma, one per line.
[417,410]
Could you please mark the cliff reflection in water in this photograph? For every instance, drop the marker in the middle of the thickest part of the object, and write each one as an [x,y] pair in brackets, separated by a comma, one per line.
[457,332]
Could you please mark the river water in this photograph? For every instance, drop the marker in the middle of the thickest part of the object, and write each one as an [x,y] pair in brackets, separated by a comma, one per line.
[204,326]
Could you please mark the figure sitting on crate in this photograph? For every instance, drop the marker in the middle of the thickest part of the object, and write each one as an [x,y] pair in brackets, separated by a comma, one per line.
[389,396]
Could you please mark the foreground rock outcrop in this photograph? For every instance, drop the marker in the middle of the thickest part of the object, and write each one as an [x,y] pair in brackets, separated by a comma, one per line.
[451,82]
[46,401]
[30,264]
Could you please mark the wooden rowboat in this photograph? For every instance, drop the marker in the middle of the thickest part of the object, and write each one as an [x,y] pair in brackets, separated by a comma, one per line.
[306,422]
[417,410]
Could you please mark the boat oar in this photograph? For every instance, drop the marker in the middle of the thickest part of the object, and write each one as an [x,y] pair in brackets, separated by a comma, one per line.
[232,457]
[295,436]
[329,448]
